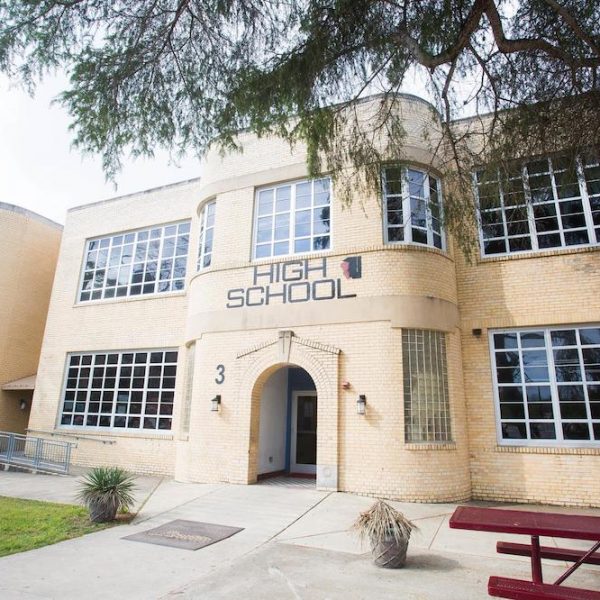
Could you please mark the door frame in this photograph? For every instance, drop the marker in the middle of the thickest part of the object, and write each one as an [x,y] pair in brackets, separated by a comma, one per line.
[294,467]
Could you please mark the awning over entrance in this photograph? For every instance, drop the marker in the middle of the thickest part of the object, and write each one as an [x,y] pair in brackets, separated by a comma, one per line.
[26,383]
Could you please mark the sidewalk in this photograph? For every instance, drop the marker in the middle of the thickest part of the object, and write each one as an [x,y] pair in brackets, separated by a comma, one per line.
[295,544]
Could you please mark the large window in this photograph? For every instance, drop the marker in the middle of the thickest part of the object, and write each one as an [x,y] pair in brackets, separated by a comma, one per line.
[128,390]
[293,219]
[543,204]
[426,405]
[207,226]
[547,384]
[146,261]
[413,207]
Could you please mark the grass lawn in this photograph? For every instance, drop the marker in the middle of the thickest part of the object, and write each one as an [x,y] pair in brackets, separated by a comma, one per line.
[29,524]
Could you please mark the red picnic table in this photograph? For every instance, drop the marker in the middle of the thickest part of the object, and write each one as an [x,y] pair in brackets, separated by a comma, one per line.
[535,524]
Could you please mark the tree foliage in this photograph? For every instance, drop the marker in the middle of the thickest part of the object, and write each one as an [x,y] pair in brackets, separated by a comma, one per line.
[183,74]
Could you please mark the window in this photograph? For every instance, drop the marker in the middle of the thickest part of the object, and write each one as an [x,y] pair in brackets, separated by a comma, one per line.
[547,385]
[146,261]
[546,203]
[293,218]
[413,207]
[129,390]
[207,226]
[426,406]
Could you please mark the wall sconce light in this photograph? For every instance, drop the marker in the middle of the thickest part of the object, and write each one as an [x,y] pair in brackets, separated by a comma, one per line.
[476,332]
[361,404]
[23,405]
[215,403]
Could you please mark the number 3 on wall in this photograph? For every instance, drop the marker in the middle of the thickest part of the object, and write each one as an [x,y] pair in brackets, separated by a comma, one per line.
[220,374]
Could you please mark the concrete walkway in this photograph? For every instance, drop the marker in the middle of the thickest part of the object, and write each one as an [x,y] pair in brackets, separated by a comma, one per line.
[295,545]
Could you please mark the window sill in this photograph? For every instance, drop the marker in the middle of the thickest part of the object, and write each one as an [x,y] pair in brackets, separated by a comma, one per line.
[127,299]
[430,446]
[538,254]
[587,450]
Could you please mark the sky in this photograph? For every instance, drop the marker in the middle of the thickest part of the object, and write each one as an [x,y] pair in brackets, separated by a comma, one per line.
[39,169]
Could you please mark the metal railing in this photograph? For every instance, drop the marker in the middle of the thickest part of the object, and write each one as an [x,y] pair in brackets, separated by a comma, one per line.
[35,453]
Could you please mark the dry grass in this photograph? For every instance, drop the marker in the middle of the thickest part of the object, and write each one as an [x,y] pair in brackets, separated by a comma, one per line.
[380,522]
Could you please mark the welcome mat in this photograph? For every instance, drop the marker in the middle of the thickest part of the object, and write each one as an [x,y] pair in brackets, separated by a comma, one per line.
[187,535]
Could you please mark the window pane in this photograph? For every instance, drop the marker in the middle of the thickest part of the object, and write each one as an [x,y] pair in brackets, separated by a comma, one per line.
[103,274]
[294,217]
[135,390]
[421,192]
[559,382]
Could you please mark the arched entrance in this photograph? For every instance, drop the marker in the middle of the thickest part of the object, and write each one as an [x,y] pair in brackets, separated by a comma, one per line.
[259,362]
[287,438]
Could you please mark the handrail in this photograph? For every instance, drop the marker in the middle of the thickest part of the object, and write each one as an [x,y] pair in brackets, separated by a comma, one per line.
[36,453]
[74,435]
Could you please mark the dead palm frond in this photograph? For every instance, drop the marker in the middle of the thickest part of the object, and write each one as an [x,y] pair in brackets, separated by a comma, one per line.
[382,521]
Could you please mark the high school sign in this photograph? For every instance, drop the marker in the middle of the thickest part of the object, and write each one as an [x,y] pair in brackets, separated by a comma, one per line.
[290,282]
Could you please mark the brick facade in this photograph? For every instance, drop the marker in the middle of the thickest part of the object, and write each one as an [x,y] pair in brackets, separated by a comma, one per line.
[348,345]
[28,253]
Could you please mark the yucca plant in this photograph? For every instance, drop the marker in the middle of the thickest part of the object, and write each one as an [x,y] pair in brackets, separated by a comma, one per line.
[105,490]
[388,532]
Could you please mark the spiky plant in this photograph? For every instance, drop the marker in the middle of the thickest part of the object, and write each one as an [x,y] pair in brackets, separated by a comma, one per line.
[382,521]
[104,490]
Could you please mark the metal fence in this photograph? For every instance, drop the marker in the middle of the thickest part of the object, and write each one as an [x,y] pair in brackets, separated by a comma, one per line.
[35,453]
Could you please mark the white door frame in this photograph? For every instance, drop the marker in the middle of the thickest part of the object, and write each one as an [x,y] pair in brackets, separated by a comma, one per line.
[294,467]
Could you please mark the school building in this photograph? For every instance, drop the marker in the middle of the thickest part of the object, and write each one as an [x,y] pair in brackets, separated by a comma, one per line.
[28,253]
[247,323]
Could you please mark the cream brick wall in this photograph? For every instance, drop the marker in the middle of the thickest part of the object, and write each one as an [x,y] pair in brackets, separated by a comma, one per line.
[358,340]
[137,322]
[527,290]
[28,254]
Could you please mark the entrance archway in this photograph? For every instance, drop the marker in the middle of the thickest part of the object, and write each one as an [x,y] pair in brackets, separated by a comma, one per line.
[287,438]
[259,362]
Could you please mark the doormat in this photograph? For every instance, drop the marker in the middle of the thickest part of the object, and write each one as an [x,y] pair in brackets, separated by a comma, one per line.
[187,535]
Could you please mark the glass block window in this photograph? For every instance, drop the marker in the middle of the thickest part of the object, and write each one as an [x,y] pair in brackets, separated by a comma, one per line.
[122,390]
[426,403]
[293,218]
[134,263]
[547,385]
[543,204]
[207,226]
[413,207]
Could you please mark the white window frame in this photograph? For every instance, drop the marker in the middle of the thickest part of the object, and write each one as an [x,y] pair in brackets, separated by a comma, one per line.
[204,228]
[559,441]
[529,205]
[135,232]
[292,213]
[127,430]
[406,208]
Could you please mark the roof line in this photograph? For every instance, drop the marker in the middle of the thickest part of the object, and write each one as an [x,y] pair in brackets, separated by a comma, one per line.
[30,214]
[138,193]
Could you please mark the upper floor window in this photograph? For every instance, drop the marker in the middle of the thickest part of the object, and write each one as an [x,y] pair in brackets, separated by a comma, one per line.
[543,204]
[413,207]
[292,218]
[207,226]
[146,261]
[426,399]
[547,384]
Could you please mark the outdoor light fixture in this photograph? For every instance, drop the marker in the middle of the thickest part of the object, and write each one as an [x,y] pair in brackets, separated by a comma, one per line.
[23,405]
[361,404]
[215,403]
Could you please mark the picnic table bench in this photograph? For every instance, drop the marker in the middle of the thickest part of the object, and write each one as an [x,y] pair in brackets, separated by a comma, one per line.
[535,524]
